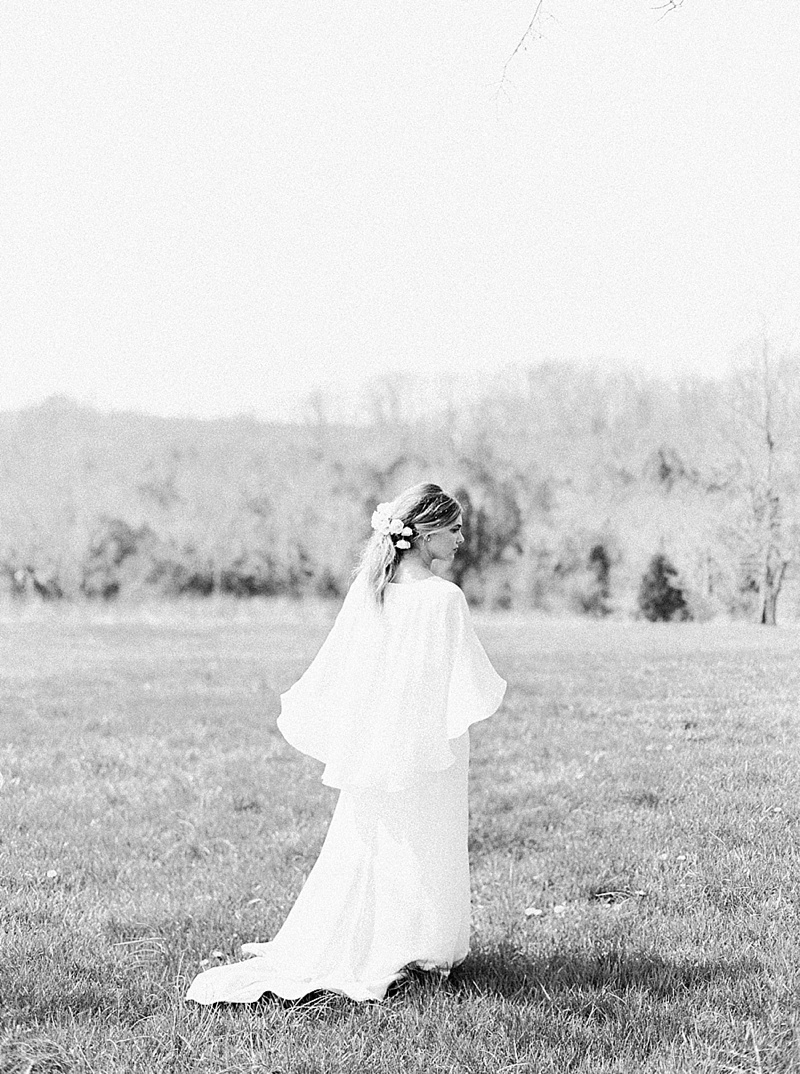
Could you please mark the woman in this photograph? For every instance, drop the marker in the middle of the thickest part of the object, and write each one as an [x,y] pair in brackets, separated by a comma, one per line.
[386,705]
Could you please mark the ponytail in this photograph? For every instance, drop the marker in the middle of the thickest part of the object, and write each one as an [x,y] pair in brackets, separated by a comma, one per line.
[378,563]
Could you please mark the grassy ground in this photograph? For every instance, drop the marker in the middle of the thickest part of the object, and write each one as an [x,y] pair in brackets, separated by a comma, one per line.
[634,842]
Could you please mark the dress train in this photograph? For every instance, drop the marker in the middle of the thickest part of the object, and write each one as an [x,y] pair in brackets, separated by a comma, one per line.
[389,890]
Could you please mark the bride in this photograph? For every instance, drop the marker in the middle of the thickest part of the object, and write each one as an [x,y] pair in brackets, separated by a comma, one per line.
[386,706]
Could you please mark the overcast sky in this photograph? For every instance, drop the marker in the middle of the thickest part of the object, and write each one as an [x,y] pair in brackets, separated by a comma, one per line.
[209,207]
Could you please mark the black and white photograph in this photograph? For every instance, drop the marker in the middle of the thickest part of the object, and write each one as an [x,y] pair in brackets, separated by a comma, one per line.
[399,537]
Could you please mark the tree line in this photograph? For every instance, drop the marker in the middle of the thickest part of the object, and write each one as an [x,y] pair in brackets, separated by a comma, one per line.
[584,491]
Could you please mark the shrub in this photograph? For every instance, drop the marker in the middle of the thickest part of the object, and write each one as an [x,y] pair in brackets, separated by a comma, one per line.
[108,564]
[595,596]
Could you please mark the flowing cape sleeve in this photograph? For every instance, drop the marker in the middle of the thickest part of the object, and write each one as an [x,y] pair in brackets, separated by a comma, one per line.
[389,689]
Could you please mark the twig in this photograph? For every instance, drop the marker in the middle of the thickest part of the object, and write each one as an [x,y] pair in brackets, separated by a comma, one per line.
[519,47]
[667,7]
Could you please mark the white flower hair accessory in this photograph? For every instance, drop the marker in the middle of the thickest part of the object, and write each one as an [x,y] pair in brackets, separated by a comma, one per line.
[394,528]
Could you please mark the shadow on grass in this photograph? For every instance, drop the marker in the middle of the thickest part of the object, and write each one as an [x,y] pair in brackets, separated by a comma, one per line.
[512,973]
[509,972]
[578,988]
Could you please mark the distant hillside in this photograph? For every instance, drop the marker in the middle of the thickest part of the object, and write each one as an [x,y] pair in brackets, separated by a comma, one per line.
[572,483]
[83,493]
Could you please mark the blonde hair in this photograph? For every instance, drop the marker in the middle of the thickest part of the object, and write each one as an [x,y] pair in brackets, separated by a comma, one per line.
[424,508]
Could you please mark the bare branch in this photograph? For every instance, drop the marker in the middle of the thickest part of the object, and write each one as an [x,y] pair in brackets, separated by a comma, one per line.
[667,8]
[531,31]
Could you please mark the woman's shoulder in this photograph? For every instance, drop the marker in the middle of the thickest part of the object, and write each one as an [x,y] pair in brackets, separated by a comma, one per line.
[446,586]
[453,594]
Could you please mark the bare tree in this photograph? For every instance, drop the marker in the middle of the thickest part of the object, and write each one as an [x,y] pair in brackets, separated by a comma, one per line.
[763,409]
[389,398]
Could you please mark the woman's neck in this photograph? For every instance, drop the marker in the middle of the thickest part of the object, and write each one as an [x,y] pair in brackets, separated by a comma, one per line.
[412,568]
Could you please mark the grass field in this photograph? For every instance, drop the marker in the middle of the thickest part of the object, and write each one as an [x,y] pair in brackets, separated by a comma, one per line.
[634,844]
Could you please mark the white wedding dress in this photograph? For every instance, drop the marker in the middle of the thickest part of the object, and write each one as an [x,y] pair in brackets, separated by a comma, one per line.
[386,704]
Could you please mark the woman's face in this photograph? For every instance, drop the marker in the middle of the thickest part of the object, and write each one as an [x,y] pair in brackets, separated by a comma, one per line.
[443,544]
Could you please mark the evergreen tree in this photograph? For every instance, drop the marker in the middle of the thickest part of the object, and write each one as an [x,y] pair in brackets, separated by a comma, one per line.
[661,598]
